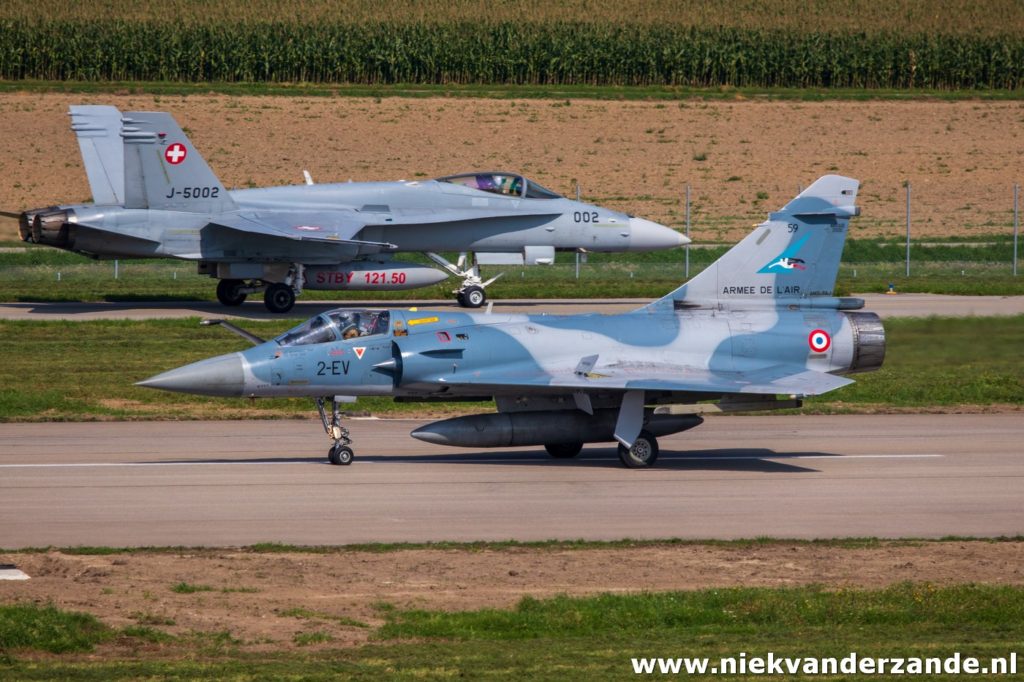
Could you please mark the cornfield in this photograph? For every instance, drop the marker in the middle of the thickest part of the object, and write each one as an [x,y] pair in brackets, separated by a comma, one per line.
[946,17]
[561,53]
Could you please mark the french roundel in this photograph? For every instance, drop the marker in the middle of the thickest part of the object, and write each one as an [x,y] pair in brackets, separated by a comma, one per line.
[819,340]
[175,153]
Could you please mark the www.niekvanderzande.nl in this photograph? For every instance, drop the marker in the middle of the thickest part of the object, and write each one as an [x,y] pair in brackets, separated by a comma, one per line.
[850,664]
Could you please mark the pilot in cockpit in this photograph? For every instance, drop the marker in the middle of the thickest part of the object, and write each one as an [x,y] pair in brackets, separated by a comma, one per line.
[349,326]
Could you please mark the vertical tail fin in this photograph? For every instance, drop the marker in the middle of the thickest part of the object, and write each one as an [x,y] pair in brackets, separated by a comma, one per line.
[794,254]
[97,128]
[164,171]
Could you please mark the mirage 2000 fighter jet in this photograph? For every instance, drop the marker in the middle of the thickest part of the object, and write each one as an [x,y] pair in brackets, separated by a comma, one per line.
[751,332]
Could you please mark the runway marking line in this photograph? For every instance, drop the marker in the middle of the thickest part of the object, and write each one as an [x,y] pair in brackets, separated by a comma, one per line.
[835,458]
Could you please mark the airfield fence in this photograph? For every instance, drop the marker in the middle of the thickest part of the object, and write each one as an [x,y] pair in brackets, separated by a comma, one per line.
[963,265]
[510,52]
[175,280]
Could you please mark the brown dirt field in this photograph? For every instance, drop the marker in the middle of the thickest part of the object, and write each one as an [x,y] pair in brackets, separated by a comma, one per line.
[135,588]
[962,157]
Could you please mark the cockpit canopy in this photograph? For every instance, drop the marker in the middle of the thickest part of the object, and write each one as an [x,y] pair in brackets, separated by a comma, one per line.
[506,184]
[337,325]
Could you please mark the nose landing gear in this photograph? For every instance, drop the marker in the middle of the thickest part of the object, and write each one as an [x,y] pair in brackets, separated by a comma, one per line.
[340,452]
[470,293]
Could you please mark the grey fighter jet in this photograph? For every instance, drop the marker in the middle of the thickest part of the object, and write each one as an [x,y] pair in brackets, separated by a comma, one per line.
[758,329]
[156,197]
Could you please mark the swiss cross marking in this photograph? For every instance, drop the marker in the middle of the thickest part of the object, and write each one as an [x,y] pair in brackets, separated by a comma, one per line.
[175,154]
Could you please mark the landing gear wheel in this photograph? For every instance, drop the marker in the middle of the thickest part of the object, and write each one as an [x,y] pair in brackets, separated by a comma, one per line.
[340,454]
[279,298]
[228,292]
[563,450]
[470,293]
[472,297]
[644,452]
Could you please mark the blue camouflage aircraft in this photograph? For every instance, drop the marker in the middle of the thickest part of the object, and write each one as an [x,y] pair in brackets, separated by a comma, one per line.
[759,323]
[155,197]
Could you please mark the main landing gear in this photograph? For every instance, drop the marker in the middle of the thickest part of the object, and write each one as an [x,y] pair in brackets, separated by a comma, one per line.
[471,294]
[279,297]
[644,452]
[232,292]
[340,452]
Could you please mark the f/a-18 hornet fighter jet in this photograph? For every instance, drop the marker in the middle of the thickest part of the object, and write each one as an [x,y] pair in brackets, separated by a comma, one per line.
[156,197]
[758,329]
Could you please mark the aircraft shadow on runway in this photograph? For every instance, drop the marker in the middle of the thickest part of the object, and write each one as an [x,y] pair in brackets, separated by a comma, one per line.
[761,460]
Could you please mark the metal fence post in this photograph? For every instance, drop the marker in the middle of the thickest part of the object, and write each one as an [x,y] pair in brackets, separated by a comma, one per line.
[577,191]
[908,228]
[687,246]
[1016,225]
[116,264]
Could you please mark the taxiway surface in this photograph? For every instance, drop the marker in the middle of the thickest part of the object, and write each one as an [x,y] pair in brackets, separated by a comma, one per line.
[238,483]
[901,305]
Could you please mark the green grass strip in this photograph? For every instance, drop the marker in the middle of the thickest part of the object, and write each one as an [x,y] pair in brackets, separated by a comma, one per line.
[46,628]
[595,637]
[929,362]
[733,609]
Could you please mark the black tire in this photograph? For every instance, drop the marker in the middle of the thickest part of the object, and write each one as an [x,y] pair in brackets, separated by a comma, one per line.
[473,297]
[279,298]
[563,450]
[643,454]
[340,455]
[228,294]
[461,300]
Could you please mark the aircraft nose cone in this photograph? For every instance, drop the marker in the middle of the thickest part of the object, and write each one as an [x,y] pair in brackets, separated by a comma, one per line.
[647,235]
[223,375]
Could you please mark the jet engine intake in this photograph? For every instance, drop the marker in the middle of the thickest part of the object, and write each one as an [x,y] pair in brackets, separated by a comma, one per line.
[868,342]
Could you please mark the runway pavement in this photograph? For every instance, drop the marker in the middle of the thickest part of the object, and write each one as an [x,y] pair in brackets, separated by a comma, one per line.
[901,305]
[232,483]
